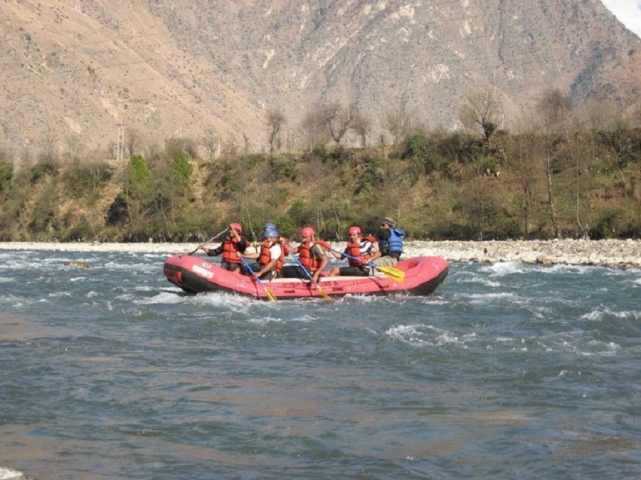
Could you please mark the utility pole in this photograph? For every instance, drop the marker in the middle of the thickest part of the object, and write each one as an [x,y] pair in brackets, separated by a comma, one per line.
[120,146]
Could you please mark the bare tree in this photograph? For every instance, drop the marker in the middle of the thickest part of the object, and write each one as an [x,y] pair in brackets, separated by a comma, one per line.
[230,147]
[75,146]
[246,143]
[49,149]
[275,122]
[210,140]
[362,126]
[133,140]
[553,109]
[481,110]
[313,129]
[614,130]
[339,119]
[398,123]
[520,153]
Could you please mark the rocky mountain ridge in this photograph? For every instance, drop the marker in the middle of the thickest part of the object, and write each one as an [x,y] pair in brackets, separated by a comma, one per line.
[77,74]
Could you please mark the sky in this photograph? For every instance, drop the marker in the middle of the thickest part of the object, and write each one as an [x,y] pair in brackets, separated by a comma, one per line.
[628,12]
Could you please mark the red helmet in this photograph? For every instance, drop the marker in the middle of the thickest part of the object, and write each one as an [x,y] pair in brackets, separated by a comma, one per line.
[354,230]
[307,232]
[238,227]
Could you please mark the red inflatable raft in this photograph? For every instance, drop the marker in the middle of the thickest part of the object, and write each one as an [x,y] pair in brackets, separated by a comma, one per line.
[195,274]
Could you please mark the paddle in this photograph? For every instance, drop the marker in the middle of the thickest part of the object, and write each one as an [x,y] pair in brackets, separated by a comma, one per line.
[318,287]
[208,241]
[393,273]
[270,295]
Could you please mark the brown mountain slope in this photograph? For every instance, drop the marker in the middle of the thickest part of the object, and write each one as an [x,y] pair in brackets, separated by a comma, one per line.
[72,70]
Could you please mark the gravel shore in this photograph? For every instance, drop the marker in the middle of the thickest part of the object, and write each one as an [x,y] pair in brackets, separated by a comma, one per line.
[606,253]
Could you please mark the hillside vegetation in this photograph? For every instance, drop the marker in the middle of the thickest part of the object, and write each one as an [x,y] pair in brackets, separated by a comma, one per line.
[560,178]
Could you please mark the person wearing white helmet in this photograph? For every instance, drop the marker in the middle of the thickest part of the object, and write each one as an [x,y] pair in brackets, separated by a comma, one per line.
[359,252]
[312,258]
[233,245]
[270,256]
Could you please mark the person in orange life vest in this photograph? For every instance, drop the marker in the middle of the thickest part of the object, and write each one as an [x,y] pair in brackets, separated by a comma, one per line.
[311,255]
[232,245]
[284,242]
[270,257]
[363,252]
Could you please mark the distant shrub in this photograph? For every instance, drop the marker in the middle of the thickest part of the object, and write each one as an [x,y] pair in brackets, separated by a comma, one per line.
[6,175]
[282,167]
[80,232]
[416,145]
[604,227]
[118,212]
[86,178]
[321,150]
[180,168]
[42,169]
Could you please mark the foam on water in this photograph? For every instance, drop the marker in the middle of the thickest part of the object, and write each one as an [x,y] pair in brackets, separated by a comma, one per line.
[505,364]
[505,268]
[600,314]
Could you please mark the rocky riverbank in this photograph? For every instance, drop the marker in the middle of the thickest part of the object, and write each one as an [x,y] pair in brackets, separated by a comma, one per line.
[606,253]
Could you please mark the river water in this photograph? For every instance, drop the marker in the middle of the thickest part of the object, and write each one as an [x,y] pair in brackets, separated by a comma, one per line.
[506,371]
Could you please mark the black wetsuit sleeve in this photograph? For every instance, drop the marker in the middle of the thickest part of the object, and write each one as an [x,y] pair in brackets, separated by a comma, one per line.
[215,252]
[242,245]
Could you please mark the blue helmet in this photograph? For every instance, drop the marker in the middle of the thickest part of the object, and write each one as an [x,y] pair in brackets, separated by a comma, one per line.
[270,226]
[270,232]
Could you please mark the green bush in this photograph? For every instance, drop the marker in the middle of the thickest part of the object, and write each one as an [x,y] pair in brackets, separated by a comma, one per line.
[416,145]
[181,169]
[604,227]
[118,212]
[6,175]
[80,232]
[42,169]
[82,179]
[282,167]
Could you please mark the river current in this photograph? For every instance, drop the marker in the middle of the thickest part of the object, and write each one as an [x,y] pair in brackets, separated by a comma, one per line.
[506,371]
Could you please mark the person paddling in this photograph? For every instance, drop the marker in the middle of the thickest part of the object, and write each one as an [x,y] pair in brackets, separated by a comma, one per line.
[232,245]
[311,256]
[359,252]
[270,257]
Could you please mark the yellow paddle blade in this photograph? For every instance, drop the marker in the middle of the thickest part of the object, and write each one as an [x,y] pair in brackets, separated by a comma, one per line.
[393,273]
[270,295]
[323,292]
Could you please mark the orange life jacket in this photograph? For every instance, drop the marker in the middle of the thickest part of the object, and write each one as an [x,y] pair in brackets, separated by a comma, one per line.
[354,250]
[230,250]
[305,254]
[265,255]
[283,243]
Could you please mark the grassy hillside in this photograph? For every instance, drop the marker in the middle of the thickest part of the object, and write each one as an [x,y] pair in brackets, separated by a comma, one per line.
[436,185]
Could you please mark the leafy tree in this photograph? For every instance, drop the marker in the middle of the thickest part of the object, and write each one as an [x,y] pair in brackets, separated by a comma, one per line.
[137,186]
